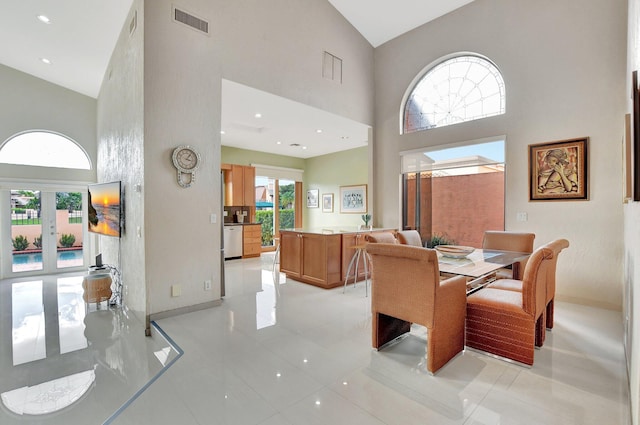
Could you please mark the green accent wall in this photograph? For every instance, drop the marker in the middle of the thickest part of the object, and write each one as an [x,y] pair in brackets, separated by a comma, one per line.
[325,173]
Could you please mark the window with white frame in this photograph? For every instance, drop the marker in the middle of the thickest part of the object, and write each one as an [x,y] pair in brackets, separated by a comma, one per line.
[462,88]
[44,149]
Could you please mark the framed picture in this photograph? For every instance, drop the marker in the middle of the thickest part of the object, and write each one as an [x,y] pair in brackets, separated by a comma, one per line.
[626,163]
[353,199]
[558,170]
[327,202]
[635,144]
[312,198]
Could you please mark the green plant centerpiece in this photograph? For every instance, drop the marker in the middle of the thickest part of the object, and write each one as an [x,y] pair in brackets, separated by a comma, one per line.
[366,218]
[437,239]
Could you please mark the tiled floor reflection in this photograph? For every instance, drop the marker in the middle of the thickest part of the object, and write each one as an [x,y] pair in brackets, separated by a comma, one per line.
[280,352]
[294,354]
[65,362]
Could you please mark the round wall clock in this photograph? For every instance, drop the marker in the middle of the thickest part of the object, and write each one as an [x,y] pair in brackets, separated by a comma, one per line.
[186,160]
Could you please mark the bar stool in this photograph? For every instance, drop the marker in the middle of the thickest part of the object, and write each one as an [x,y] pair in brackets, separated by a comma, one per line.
[276,257]
[361,252]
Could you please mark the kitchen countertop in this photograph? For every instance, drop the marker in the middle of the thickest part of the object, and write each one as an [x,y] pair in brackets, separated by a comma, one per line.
[239,224]
[336,230]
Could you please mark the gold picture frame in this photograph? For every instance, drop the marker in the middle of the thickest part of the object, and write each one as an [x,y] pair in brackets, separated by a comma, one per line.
[558,170]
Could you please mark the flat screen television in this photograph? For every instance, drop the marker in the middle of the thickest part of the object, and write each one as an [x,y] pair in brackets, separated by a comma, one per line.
[105,209]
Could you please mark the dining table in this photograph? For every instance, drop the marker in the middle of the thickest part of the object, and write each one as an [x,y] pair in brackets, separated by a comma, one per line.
[480,266]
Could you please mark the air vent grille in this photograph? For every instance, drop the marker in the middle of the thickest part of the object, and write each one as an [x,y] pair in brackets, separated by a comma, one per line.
[332,67]
[190,20]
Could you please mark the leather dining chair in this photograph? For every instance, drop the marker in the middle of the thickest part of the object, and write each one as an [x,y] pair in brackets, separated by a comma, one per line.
[381,237]
[513,285]
[406,289]
[509,241]
[409,237]
[510,323]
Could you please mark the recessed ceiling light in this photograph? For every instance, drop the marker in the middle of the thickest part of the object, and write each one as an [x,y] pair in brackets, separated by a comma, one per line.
[221,131]
[45,60]
[304,147]
[318,131]
[278,143]
[258,115]
[44,19]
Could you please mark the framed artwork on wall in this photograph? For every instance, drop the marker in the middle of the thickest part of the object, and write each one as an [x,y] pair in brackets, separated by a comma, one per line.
[312,198]
[353,199]
[558,170]
[635,128]
[626,163]
[327,202]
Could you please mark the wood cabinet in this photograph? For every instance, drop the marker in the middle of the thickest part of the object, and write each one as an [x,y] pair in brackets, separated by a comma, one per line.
[239,183]
[251,240]
[311,257]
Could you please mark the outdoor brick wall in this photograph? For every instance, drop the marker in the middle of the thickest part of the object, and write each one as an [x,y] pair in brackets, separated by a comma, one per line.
[467,206]
[458,207]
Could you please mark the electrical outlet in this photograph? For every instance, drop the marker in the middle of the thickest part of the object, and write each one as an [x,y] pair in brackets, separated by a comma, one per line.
[176,290]
[522,216]
[207,285]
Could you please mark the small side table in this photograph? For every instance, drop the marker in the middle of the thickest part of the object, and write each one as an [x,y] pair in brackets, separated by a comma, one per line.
[97,288]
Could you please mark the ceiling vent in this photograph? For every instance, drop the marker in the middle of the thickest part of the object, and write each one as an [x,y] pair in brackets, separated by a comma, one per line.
[190,20]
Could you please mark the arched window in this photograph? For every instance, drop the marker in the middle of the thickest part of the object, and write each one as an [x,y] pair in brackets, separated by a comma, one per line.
[44,149]
[462,88]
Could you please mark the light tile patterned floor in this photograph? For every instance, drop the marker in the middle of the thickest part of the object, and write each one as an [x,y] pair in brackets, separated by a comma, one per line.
[291,353]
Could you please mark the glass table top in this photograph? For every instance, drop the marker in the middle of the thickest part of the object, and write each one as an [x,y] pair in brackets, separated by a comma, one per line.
[479,263]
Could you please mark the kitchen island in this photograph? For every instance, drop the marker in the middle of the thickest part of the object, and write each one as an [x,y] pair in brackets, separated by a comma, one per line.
[321,257]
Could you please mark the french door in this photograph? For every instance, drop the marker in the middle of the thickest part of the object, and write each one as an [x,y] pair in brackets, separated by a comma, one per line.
[42,230]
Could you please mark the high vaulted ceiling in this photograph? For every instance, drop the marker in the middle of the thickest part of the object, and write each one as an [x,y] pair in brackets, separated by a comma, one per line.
[82,34]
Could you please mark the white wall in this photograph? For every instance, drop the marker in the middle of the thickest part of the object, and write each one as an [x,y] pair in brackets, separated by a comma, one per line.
[276,47]
[29,103]
[564,70]
[631,303]
[120,156]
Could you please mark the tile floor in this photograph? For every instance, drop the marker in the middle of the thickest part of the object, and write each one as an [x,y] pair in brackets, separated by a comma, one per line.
[295,354]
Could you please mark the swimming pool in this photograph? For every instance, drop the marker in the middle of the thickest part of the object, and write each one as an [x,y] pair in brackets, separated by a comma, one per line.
[33,261]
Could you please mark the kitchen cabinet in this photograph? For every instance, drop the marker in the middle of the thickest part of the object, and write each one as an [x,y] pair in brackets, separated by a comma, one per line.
[312,258]
[239,183]
[252,240]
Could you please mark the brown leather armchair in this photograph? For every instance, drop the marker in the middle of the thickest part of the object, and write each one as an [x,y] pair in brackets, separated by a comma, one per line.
[514,285]
[406,289]
[509,241]
[510,323]
[409,237]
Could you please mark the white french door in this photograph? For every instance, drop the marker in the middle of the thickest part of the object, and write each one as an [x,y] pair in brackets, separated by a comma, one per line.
[42,230]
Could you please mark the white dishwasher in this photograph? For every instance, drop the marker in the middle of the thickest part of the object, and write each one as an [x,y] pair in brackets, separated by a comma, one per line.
[232,241]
